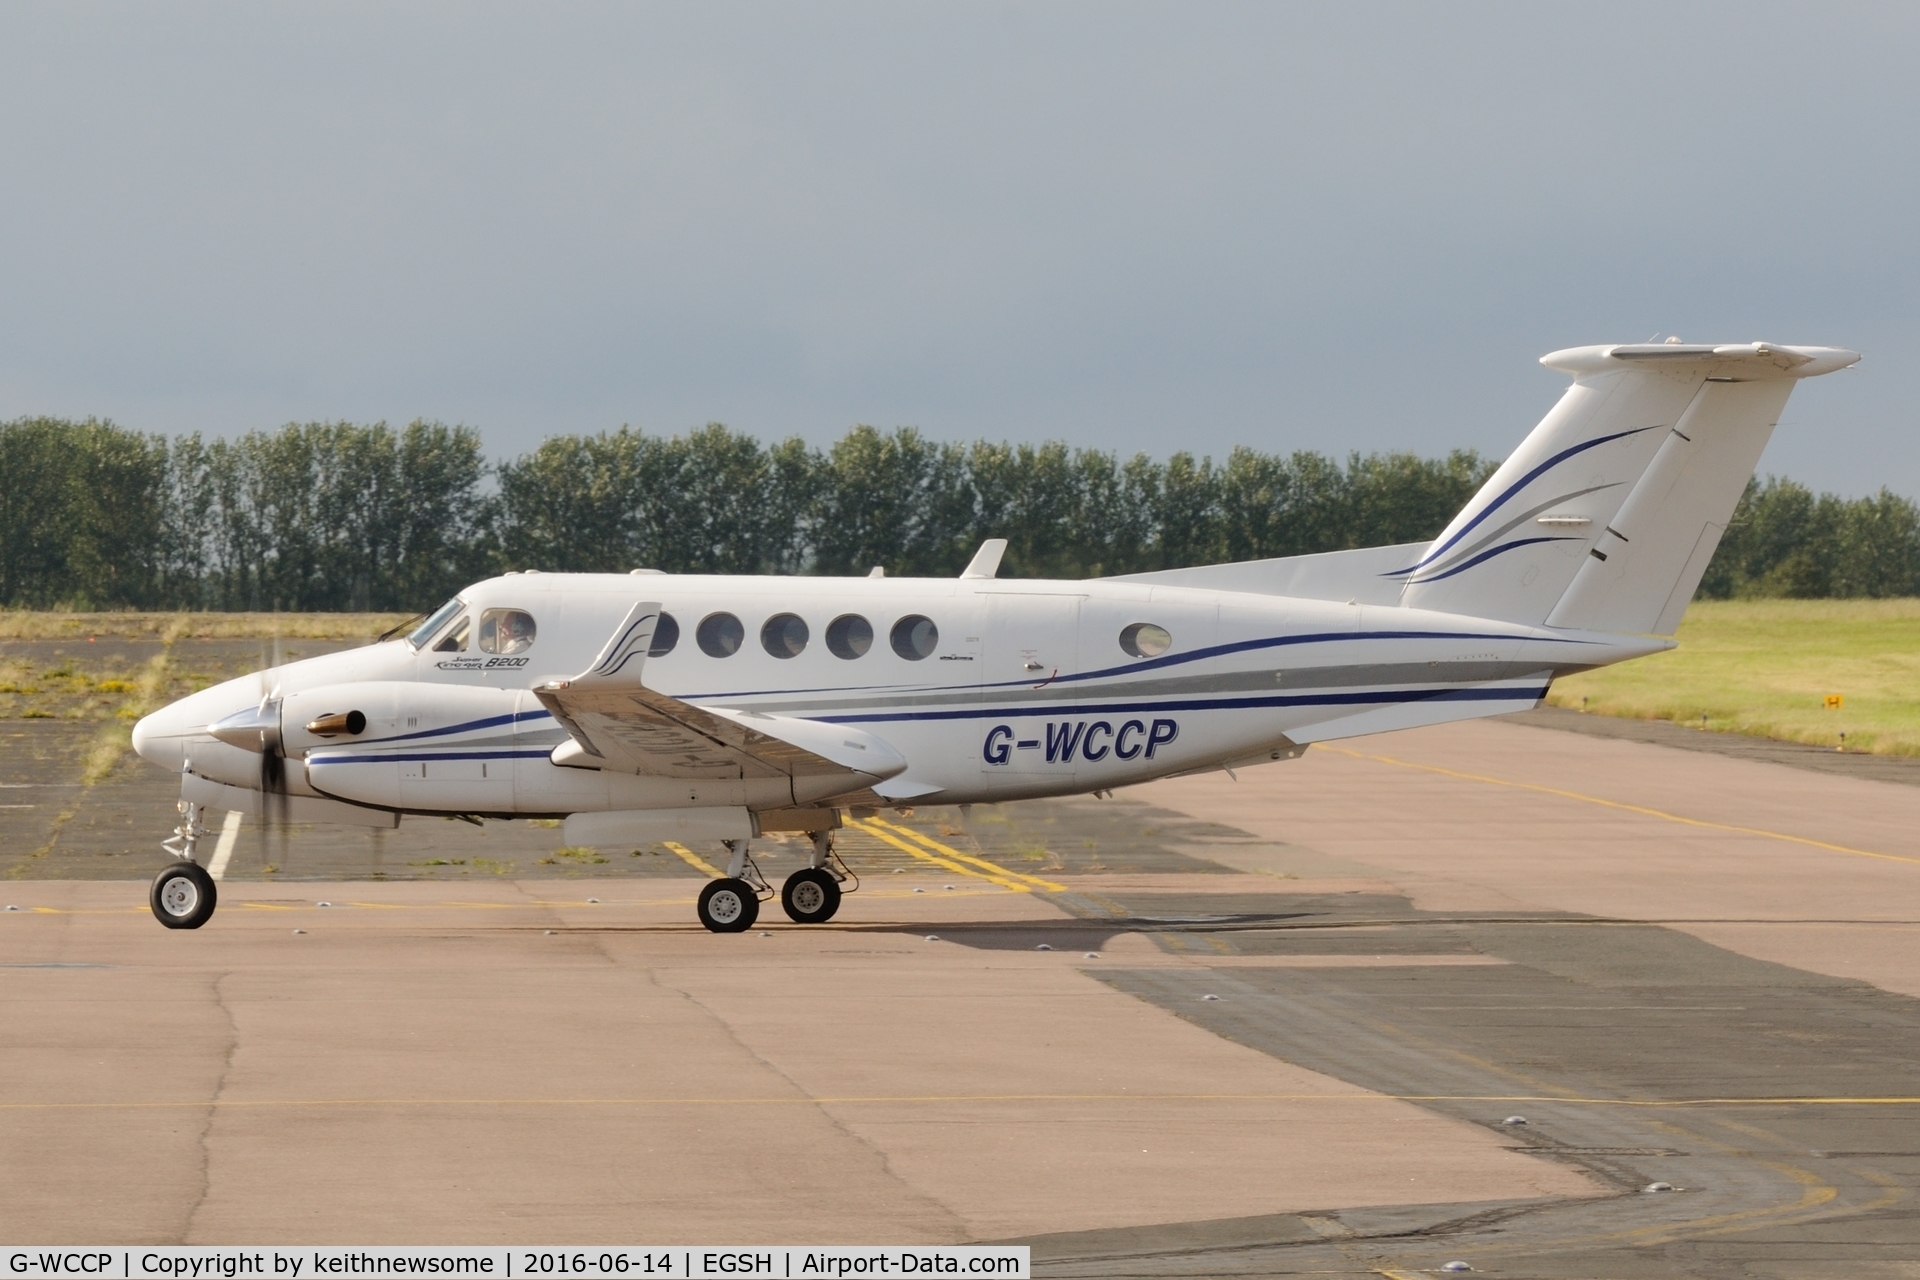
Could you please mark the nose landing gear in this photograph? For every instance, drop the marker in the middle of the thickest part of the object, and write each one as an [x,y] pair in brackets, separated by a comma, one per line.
[183,896]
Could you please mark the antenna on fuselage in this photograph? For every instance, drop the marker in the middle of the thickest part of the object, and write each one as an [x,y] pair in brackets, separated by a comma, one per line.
[986,561]
[879,571]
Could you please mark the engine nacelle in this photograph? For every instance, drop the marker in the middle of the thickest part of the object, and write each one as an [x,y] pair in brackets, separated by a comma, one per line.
[462,749]
[442,748]
[390,713]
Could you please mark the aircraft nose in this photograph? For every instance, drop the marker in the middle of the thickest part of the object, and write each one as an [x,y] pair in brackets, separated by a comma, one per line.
[157,737]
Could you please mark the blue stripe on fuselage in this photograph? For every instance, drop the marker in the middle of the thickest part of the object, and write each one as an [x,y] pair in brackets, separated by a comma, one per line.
[1373,697]
[1169,660]
[384,757]
[1370,697]
[490,722]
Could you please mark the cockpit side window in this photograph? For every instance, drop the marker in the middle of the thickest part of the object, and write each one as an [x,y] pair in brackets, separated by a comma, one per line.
[455,641]
[425,631]
[506,631]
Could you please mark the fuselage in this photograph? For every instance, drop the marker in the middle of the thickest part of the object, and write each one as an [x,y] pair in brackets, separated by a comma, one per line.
[991,689]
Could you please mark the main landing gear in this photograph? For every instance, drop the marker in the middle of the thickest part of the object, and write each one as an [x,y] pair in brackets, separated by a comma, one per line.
[183,895]
[810,895]
[729,905]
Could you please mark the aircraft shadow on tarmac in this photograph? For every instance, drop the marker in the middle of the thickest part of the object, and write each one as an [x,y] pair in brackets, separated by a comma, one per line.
[1775,1108]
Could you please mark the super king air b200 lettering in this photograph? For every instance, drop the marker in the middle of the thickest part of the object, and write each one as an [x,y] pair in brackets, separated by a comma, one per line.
[651,707]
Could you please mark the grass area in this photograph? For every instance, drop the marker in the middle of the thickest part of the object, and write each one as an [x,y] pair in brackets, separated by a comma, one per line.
[1766,667]
[116,667]
[35,624]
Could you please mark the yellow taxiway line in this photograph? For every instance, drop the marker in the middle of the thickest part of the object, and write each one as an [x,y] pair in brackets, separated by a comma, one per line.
[693,859]
[958,868]
[946,855]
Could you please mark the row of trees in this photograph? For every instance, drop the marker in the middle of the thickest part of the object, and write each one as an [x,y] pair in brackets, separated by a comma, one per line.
[339,516]
[1784,540]
[320,516]
[717,501]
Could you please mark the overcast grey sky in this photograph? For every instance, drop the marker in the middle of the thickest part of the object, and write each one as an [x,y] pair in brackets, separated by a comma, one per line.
[1149,227]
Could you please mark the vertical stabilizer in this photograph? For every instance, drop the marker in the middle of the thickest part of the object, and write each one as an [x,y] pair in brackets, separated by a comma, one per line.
[1644,566]
[1647,435]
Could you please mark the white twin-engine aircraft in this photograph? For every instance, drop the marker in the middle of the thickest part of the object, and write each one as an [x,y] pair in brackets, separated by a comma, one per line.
[648,707]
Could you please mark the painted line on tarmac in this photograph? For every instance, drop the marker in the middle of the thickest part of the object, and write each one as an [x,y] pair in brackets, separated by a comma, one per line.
[1004,879]
[1620,804]
[223,849]
[948,851]
[975,1098]
[693,860]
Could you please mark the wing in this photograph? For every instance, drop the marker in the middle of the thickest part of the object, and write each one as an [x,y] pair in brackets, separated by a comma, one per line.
[617,723]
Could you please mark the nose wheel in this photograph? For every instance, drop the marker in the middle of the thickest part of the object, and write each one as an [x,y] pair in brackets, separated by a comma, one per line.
[810,896]
[183,896]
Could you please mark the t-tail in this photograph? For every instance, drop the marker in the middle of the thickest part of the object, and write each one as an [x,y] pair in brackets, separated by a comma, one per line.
[1605,517]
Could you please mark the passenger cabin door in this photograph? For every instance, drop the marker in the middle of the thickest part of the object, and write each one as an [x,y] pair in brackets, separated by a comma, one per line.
[1029,643]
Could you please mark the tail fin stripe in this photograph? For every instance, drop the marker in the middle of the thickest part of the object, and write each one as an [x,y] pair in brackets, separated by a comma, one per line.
[1501,532]
[1490,554]
[1523,482]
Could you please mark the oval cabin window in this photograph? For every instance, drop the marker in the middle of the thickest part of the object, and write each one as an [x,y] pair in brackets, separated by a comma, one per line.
[1144,640]
[915,637]
[506,631]
[719,635]
[784,635]
[849,636]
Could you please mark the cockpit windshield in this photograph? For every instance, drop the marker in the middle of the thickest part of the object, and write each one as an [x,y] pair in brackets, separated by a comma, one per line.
[424,632]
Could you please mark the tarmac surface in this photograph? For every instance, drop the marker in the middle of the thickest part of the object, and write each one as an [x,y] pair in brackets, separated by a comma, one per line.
[1270,1025]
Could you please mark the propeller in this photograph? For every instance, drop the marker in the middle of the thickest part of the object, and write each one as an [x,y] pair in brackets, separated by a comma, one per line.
[258,729]
[273,764]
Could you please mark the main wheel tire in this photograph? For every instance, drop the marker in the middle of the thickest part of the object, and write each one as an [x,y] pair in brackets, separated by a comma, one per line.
[183,896]
[810,896]
[729,906]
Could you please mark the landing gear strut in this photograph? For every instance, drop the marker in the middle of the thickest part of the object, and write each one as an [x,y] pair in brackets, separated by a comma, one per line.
[183,894]
[812,894]
[732,903]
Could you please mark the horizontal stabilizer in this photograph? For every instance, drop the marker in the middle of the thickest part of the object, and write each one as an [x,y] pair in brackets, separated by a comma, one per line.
[1745,361]
[1555,507]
